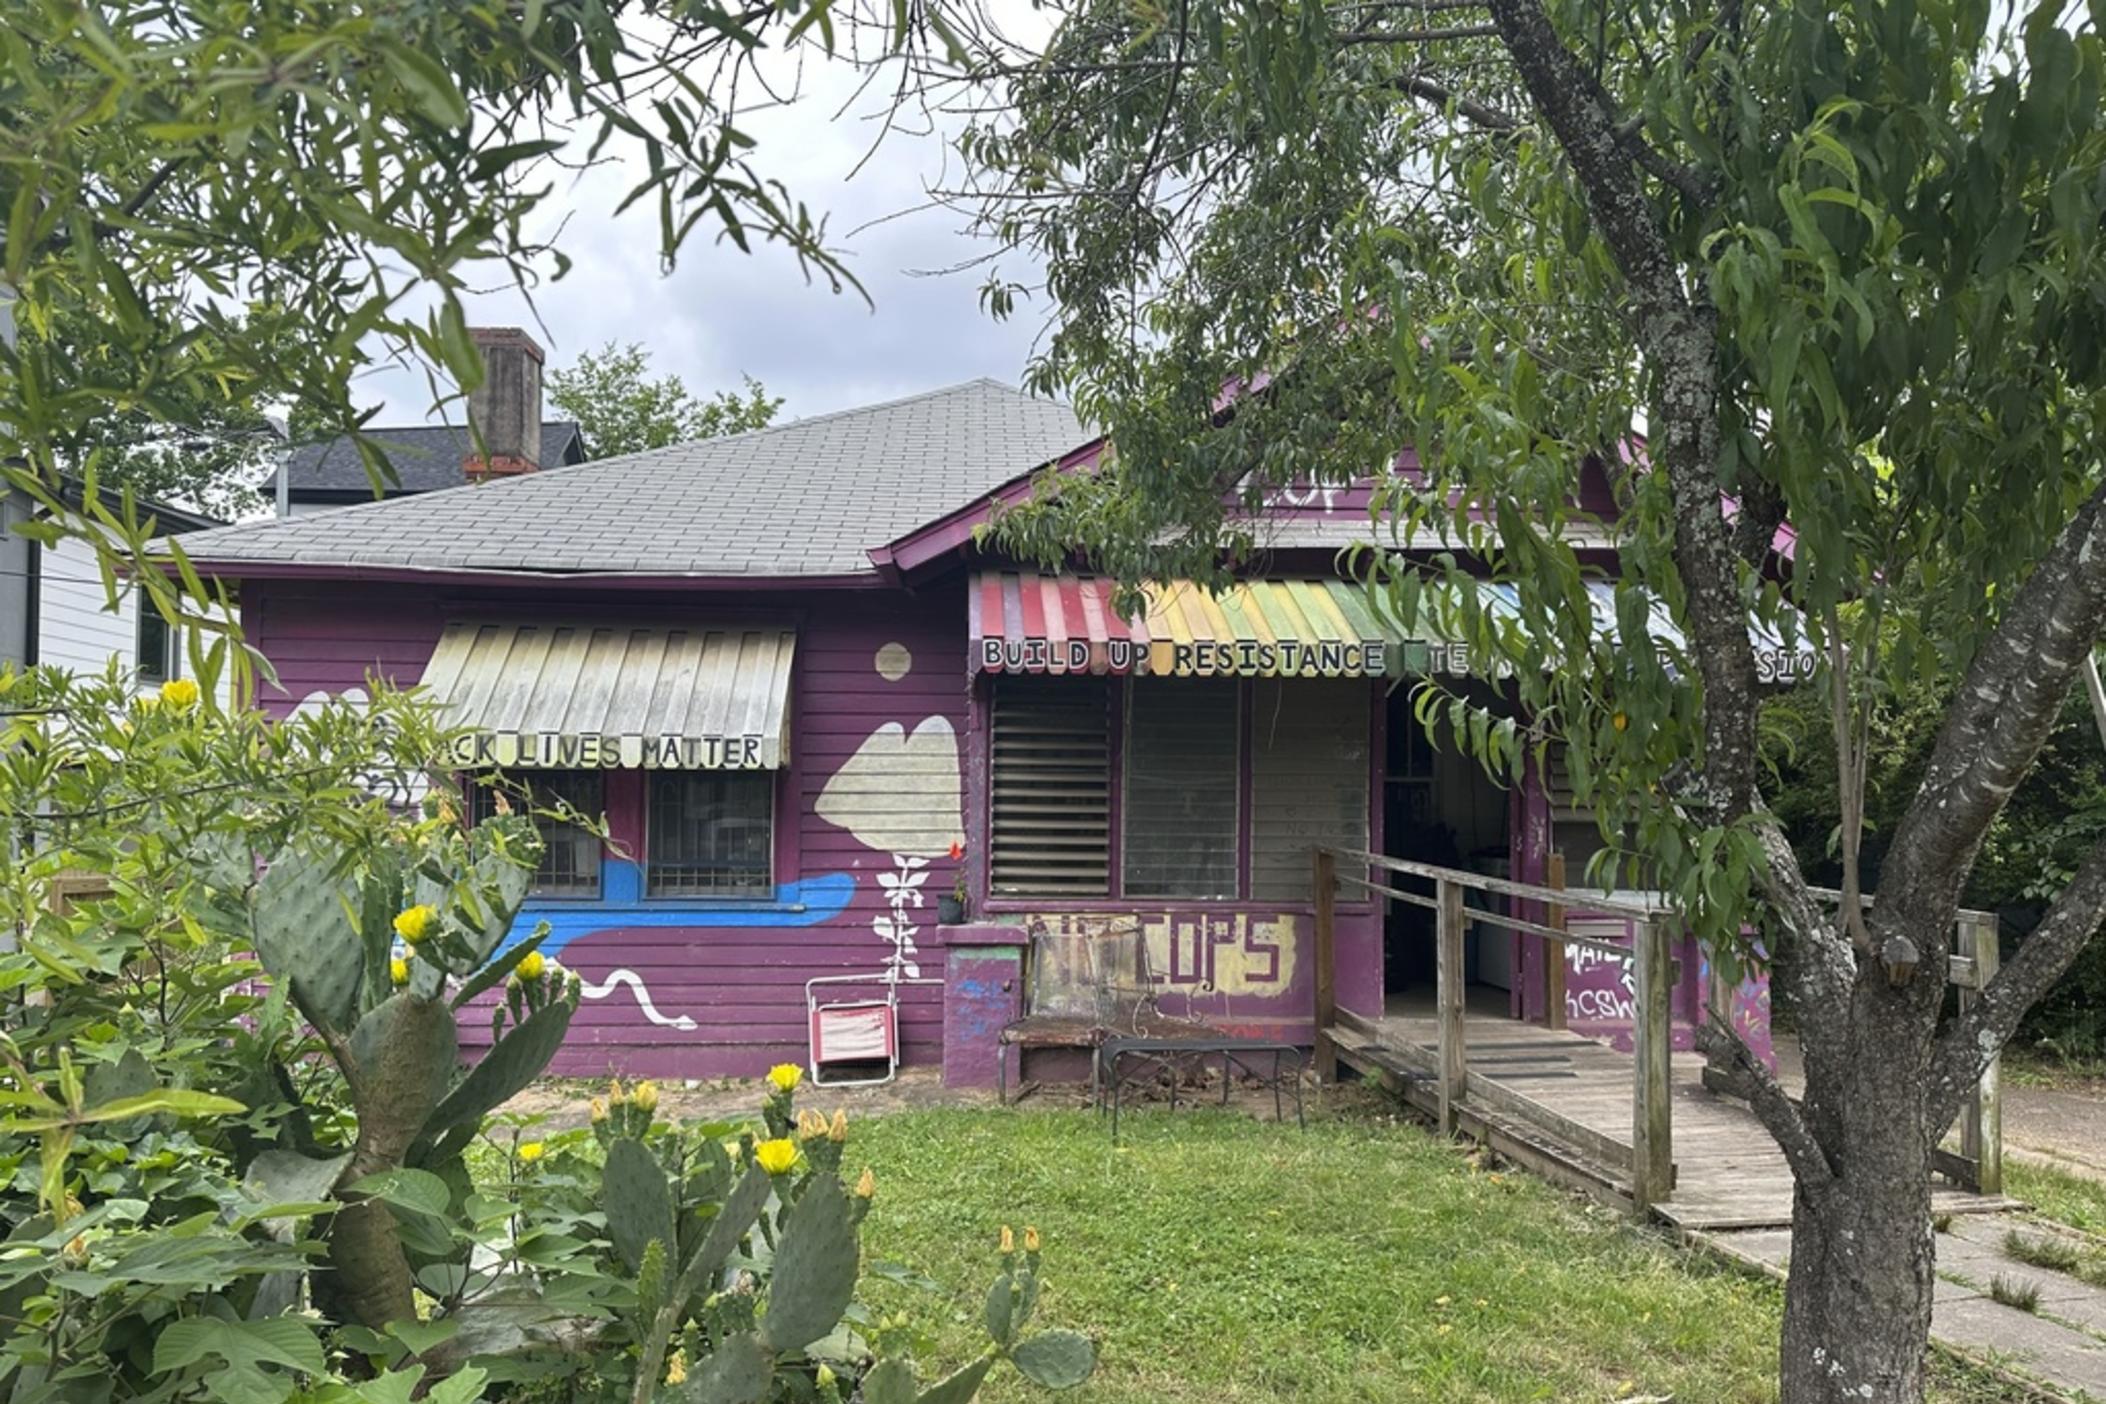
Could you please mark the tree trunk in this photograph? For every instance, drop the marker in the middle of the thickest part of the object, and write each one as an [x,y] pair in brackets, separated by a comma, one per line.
[1858,1302]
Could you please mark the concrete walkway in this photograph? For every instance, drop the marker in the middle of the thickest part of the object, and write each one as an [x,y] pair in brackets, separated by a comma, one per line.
[2062,1343]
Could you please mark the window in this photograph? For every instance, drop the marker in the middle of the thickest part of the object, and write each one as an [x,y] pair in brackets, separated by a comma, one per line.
[1181,759]
[1186,744]
[1049,777]
[157,650]
[570,855]
[712,834]
[1309,779]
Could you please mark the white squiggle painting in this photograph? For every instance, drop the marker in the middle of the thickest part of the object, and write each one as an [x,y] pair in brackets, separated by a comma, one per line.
[616,979]
[902,889]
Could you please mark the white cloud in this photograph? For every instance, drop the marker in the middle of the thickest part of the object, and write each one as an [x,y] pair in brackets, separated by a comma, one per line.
[720,313]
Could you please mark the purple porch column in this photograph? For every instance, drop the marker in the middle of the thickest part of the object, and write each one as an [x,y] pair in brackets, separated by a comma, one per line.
[983,989]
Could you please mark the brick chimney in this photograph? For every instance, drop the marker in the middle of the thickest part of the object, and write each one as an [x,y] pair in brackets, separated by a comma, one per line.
[507,409]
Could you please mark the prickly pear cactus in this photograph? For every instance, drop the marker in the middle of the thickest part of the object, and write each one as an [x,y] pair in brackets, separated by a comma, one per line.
[815,1268]
[302,918]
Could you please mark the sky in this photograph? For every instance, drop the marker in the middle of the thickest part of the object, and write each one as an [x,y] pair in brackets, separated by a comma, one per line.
[721,314]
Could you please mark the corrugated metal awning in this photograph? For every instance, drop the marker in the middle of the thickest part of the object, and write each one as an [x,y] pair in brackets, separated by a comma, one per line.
[586,696]
[1025,623]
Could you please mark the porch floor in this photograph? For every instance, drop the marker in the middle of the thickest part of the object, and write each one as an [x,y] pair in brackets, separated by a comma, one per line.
[1729,1174]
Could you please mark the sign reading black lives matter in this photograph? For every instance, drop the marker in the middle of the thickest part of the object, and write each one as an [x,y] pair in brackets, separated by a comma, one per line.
[550,750]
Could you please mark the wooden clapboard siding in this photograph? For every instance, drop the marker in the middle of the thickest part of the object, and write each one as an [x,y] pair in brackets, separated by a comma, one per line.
[1309,778]
[889,748]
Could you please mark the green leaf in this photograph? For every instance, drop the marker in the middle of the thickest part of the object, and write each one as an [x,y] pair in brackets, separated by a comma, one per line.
[1055,1359]
[418,1190]
[426,80]
[282,1340]
[422,1336]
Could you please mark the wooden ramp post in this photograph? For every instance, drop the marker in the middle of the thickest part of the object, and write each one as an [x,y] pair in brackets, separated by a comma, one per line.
[1326,964]
[1554,951]
[1652,1086]
[1448,972]
[1982,1120]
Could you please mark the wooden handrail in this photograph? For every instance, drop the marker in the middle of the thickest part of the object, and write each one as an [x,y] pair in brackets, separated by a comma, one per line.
[1615,906]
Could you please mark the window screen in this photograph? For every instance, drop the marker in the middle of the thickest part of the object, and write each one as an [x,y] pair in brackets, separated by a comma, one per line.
[1050,787]
[570,856]
[1178,826]
[1309,779]
[712,834]
[157,653]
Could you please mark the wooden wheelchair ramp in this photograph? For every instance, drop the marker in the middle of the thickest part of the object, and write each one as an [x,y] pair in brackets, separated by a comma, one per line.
[1560,1105]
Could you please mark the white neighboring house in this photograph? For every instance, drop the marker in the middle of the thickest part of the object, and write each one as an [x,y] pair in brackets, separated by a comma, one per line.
[54,609]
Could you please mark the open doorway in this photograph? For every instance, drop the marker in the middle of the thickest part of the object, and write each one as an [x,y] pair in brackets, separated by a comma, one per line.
[1440,807]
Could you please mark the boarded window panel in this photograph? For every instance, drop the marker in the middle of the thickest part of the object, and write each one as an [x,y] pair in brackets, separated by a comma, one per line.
[1178,827]
[1049,774]
[1309,779]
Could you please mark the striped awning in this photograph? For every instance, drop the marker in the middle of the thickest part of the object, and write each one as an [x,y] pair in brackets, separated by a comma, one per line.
[1026,623]
[587,696]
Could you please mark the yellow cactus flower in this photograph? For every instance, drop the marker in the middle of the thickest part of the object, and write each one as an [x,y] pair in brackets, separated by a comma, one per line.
[1030,1240]
[179,693]
[599,1110]
[645,1097]
[824,1376]
[416,923]
[531,965]
[866,1187]
[838,1131]
[532,1151]
[776,1156]
[1620,721]
[398,970]
[785,1076]
[676,1368]
[1008,1240]
[811,1126]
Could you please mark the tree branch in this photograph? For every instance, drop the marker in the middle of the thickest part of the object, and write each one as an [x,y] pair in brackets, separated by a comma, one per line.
[1766,1097]
[1998,721]
[1416,36]
[1681,354]
[1964,1049]
[1489,118]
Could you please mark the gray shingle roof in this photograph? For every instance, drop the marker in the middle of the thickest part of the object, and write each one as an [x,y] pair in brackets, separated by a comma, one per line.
[807,498]
[426,457]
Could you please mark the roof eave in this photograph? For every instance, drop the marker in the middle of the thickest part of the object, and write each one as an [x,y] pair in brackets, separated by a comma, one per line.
[516,579]
[937,540]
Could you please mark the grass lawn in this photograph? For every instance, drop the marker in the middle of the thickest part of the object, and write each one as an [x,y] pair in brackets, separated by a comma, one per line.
[1217,1258]
[2057,1194]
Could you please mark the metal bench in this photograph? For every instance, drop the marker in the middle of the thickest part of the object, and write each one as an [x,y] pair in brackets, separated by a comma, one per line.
[1173,1050]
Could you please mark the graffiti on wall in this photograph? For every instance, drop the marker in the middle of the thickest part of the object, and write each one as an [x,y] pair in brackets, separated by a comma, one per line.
[1200,953]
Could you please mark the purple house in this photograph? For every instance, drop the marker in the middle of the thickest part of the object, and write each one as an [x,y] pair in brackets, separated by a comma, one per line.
[809,703]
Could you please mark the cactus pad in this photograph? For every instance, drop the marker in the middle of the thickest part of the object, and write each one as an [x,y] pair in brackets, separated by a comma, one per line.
[1055,1359]
[739,1371]
[638,1204]
[815,1268]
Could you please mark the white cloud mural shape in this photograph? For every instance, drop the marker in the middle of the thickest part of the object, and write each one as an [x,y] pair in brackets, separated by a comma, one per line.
[900,793]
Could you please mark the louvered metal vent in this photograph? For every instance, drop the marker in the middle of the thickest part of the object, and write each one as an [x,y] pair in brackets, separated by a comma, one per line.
[1051,781]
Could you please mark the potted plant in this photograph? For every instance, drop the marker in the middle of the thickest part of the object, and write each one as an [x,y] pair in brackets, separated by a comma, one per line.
[950,906]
